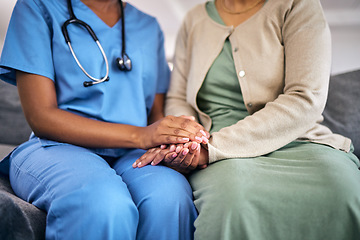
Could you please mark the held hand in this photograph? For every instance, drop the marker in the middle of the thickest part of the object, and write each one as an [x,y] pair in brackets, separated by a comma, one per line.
[181,157]
[190,157]
[172,130]
[154,156]
[204,158]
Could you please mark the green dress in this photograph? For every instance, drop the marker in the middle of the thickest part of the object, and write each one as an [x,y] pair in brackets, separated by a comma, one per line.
[303,191]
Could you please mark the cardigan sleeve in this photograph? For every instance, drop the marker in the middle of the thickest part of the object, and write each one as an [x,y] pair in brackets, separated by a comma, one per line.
[295,111]
[176,103]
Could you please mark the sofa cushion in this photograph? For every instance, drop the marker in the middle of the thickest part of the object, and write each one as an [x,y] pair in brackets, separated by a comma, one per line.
[13,128]
[342,111]
[19,219]
[14,224]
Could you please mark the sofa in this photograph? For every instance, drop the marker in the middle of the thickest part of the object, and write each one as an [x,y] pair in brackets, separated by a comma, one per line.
[18,219]
[21,220]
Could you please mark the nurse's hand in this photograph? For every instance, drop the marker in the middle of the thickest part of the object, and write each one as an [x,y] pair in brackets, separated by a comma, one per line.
[172,130]
[38,97]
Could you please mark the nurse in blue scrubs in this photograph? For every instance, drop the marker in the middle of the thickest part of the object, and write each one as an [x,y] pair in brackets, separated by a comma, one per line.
[87,132]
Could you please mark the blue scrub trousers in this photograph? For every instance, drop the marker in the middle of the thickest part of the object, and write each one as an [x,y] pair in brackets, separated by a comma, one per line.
[88,197]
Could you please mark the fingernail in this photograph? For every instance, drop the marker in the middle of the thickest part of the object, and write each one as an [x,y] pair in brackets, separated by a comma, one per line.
[194,146]
[174,155]
[172,148]
[139,164]
[198,138]
[185,139]
[152,163]
[205,140]
[203,133]
[178,148]
[163,146]
[185,151]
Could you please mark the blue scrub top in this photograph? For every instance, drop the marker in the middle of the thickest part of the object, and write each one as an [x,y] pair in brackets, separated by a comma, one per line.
[35,44]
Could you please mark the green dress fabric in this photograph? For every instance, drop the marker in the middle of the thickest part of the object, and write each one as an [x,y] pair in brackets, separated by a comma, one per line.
[220,95]
[301,191]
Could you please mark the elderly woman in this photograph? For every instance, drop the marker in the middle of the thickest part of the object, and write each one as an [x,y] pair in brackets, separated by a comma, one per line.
[89,100]
[255,73]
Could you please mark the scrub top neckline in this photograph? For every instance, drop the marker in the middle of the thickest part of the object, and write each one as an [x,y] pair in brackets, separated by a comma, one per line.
[80,4]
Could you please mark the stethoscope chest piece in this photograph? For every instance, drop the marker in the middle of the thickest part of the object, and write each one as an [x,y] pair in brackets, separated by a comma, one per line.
[124,63]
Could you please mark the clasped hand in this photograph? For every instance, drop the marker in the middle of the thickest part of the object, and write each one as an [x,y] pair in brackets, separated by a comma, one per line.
[184,156]
[171,130]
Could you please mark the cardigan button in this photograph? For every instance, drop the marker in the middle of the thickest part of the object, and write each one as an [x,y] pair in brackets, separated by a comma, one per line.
[242,73]
[236,49]
[249,105]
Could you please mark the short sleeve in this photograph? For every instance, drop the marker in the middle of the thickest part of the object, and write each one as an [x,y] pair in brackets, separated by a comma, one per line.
[27,44]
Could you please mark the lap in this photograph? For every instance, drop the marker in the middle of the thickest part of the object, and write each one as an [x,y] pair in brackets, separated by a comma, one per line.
[38,172]
[304,162]
[162,196]
[298,187]
[63,167]
[150,179]
[59,177]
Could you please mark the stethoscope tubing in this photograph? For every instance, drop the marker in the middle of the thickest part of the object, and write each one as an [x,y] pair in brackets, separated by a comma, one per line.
[74,20]
[86,73]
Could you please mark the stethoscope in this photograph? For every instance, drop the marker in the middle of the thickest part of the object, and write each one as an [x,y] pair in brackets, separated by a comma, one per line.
[123,62]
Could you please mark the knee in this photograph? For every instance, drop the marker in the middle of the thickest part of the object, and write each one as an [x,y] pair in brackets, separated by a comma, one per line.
[222,199]
[172,191]
[111,201]
[106,202]
[101,210]
[344,190]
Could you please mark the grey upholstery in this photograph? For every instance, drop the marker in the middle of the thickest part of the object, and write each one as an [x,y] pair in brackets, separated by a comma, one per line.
[342,111]
[13,128]
[19,219]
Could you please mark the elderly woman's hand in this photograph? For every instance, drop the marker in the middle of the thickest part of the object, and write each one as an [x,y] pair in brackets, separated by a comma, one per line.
[191,157]
[183,158]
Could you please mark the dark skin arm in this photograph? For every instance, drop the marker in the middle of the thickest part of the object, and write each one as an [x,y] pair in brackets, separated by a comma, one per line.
[157,110]
[39,103]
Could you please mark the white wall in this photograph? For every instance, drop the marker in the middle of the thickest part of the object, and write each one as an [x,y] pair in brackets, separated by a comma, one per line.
[343,17]
[344,20]
[345,48]
[6,7]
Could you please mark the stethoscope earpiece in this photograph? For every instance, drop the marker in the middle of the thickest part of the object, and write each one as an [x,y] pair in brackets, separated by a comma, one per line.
[124,63]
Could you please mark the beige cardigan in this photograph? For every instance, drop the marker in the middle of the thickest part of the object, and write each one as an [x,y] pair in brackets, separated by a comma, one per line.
[282,56]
